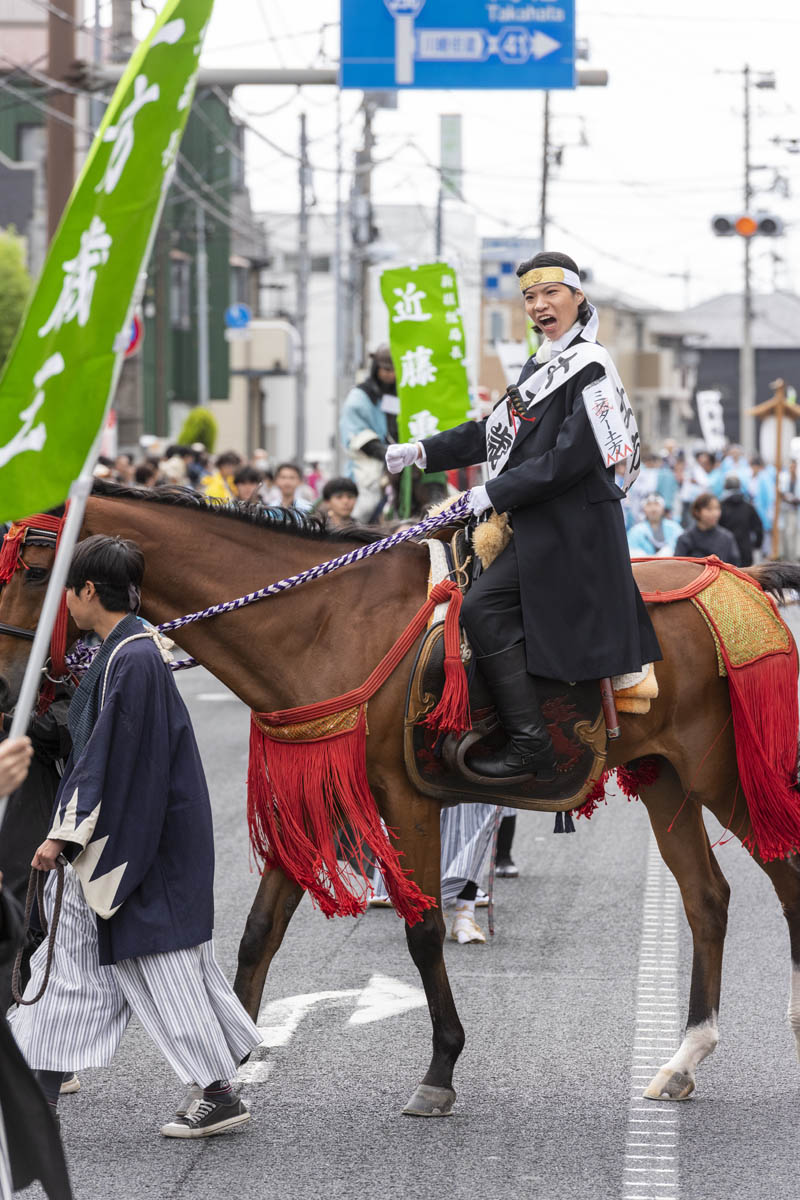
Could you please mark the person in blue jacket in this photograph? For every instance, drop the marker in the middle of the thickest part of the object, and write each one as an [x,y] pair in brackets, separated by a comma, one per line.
[656,534]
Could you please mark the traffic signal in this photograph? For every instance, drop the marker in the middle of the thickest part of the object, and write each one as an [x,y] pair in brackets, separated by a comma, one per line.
[747,225]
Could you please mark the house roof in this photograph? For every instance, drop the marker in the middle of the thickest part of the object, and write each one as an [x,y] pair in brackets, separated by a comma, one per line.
[717,323]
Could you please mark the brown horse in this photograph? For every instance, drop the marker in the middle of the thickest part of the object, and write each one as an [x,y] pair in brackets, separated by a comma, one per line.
[324,639]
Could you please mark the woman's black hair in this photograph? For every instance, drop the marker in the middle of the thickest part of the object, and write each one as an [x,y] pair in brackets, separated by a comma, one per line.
[115,567]
[553,258]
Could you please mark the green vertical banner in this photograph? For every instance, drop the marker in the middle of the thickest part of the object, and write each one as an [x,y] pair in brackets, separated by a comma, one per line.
[62,370]
[426,336]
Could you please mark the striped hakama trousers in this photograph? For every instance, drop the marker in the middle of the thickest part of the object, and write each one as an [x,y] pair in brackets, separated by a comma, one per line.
[466,833]
[6,1184]
[181,998]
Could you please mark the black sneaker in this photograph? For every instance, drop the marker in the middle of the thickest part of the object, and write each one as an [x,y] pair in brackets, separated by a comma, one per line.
[205,1118]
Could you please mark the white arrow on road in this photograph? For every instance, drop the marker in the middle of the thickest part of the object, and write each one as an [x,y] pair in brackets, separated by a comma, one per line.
[384,997]
[279,1019]
[542,44]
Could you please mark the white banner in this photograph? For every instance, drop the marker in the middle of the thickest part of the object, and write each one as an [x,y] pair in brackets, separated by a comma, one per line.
[712,419]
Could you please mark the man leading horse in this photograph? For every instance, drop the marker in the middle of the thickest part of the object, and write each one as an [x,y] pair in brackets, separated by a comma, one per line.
[560,602]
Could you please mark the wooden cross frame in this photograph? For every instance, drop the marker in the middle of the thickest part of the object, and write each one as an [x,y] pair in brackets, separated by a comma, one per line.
[779,406]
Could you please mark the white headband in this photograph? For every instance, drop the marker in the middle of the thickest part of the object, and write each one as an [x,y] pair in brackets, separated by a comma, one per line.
[549,275]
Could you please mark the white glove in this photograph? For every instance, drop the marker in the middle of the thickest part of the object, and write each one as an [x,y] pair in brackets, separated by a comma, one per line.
[478,499]
[404,454]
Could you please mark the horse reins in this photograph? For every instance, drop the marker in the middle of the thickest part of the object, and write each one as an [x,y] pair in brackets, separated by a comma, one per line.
[36,888]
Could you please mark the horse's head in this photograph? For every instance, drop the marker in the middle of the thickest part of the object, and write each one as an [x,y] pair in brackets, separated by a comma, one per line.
[26,560]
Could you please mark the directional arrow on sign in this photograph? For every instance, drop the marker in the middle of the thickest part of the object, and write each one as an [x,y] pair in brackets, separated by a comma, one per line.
[541,44]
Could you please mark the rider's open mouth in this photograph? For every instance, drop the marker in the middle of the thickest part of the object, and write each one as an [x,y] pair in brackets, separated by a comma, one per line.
[547,322]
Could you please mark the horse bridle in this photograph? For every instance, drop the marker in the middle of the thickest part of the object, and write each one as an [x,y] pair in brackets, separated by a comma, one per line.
[42,530]
[31,536]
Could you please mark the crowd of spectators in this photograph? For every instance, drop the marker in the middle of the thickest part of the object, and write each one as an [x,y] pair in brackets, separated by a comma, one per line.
[698,503]
[690,503]
[229,476]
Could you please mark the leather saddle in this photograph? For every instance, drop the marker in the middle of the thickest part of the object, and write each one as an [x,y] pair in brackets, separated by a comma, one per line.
[439,765]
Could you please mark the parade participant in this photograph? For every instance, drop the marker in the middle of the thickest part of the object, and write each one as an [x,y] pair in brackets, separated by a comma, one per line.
[707,536]
[656,534]
[27,816]
[132,816]
[339,497]
[218,485]
[560,601]
[247,484]
[367,424]
[288,479]
[739,516]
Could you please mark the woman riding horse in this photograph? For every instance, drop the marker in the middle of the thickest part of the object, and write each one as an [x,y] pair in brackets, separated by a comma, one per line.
[560,601]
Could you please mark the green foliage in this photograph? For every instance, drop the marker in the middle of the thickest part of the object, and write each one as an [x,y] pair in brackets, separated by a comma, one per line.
[199,426]
[15,285]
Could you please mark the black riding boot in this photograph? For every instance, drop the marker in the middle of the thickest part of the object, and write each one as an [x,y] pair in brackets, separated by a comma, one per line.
[529,750]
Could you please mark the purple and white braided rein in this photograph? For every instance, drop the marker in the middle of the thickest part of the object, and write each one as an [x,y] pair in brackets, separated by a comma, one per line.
[81,657]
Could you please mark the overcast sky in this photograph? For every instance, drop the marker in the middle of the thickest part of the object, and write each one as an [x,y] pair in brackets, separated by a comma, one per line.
[665,137]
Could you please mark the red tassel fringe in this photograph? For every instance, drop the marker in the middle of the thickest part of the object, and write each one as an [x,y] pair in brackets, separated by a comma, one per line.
[631,780]
[299,794]
[765,722]
[452,714]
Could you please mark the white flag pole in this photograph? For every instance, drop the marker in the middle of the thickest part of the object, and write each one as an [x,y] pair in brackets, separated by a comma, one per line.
[78,495]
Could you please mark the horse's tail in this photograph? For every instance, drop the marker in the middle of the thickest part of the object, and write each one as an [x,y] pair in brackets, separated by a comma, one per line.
[780,579]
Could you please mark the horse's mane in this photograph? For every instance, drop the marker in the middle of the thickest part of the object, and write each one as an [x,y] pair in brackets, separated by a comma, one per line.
[279,520]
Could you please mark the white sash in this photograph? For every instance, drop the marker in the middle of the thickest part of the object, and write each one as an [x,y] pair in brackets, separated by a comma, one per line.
[607,406]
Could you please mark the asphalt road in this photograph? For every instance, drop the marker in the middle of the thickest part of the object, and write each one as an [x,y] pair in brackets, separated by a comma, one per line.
[549,1008]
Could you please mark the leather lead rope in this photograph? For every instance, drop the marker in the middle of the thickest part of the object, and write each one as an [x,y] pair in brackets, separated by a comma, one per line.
[36,887]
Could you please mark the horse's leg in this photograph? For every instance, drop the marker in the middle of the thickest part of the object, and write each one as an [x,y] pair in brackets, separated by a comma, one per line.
[272,910]
[785,876]
[416,821]
[705,892]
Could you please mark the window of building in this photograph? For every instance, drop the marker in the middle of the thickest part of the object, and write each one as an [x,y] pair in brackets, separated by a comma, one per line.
[31,143]
[240,291]
[180,293]
[497,325]
[664,417]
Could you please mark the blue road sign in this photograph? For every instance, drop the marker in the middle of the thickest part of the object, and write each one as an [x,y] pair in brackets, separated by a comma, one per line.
[238,316]
[472,44]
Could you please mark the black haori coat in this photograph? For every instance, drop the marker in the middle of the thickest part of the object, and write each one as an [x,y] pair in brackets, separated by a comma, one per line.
[582,612]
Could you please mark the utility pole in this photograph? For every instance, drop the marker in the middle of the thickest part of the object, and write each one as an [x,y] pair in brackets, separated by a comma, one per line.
[201,264]
[338,296]
[60,131]
[303,271]
[122,40]
[362,216]
[747,365]
[545,171]
[585,78]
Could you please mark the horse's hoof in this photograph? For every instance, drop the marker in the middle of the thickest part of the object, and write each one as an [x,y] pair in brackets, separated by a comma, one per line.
[430,1101]
[669,1085]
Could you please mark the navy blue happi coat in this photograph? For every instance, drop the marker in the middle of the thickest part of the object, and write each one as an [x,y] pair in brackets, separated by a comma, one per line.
[133,804]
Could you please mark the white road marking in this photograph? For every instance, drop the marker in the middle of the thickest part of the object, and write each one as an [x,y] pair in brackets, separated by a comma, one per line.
[279,1020]
[652,1148]
[217,696]
[384,997]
